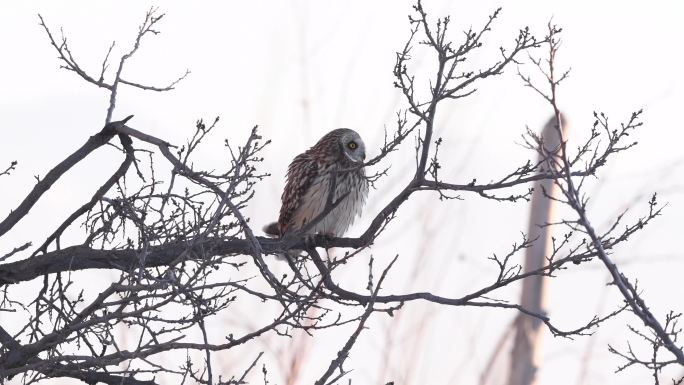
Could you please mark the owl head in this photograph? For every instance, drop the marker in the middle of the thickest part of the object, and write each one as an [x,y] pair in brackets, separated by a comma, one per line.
[347,144]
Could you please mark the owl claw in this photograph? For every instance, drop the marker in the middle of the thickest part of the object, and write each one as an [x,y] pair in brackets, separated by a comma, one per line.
[310,240]
[327,238]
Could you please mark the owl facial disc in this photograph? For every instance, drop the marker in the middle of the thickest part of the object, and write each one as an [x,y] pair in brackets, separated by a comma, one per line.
[353,147]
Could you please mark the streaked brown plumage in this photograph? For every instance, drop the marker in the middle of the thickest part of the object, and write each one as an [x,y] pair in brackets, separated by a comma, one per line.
[339,154]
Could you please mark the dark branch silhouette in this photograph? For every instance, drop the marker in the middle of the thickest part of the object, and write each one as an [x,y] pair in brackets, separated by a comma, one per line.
[184,251]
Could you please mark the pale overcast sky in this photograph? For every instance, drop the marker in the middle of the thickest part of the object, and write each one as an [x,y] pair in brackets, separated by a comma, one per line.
[301,68]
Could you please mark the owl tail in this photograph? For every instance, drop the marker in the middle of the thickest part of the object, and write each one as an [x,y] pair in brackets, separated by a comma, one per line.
[272,230]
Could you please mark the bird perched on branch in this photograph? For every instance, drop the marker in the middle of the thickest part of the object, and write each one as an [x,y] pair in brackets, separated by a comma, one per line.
[309,205]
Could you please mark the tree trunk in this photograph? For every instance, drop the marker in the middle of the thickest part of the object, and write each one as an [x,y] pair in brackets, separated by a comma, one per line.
[526,355]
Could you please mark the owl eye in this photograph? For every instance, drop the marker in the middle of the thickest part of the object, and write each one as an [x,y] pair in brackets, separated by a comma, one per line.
[352,145]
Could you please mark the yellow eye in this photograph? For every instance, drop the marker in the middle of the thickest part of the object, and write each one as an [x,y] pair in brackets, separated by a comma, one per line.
[352,145]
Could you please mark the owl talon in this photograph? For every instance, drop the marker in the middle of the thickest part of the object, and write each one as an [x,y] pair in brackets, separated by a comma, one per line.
[327,238]
[310,240]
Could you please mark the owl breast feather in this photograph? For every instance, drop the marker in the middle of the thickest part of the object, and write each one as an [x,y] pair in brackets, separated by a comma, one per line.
[337,221]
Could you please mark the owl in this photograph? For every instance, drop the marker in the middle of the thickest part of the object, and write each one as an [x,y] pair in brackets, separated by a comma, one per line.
[338,156]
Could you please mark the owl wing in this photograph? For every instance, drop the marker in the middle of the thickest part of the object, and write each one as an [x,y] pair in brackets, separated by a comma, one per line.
[300,175]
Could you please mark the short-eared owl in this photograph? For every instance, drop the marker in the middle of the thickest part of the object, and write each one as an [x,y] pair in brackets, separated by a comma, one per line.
[339,154]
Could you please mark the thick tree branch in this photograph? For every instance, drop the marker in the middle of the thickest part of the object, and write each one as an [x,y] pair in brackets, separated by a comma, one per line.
[93,143]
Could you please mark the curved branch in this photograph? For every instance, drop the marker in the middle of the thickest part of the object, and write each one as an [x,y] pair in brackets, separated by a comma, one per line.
[93,143]
[118,174]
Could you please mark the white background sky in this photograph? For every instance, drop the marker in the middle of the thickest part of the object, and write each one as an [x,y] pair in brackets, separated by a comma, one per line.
[299,69]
